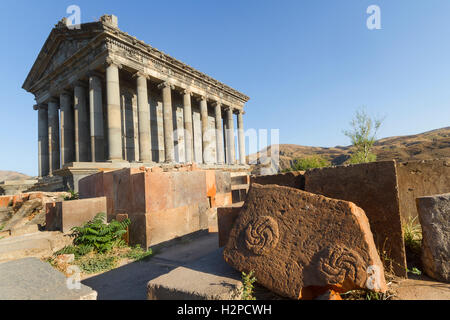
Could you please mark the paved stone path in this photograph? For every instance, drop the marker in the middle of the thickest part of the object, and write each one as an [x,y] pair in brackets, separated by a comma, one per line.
[33,279]
[129,282]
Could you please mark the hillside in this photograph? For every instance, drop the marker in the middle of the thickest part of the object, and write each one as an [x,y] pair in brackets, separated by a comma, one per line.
[12,175]
[427,145]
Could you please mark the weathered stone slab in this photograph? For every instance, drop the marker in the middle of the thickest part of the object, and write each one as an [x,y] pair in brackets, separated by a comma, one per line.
[421,178]
[373,187]
[293,179]
[434,215]
[32,279]
[209,278]
[64,215]
[295,241]
[39,245]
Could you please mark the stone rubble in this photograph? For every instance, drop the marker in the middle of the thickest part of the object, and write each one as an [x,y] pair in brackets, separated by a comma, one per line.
[301,244]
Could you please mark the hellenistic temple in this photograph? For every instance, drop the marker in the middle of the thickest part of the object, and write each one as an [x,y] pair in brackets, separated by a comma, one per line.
[108,100]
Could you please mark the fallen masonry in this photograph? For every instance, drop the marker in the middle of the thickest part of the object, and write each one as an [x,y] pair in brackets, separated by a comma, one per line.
[299,244]
[208,278]
[372,187]
[434,215]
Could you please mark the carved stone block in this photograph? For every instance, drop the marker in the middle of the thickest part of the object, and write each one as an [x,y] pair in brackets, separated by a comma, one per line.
[300,244]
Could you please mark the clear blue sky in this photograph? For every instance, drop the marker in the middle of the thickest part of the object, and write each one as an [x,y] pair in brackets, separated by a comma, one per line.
[307,65]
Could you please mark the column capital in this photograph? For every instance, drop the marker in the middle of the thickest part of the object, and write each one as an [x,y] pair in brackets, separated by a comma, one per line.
[94,73]
[140,74]
[240,111]
[80,83]
[40,107]
[53,99]
[110,61]
[65,93]
[228,108]
[217,103]
[186,92]
[166,84]
[201,98]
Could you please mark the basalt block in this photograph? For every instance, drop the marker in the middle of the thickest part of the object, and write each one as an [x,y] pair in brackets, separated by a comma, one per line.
[374,188]
[293,179]
[298,243]
[434,215]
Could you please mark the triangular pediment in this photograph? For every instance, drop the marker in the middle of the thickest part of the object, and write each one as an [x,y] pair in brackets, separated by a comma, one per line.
[61,45]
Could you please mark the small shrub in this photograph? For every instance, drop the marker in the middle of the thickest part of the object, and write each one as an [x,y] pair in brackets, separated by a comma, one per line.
[100,236]
[137,253]
[247,281]
[362,135]
[412,234]
[415,271]
[97,263]
[312,162]
[359,157]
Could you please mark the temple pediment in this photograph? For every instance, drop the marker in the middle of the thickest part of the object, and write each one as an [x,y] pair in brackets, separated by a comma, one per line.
[61,45]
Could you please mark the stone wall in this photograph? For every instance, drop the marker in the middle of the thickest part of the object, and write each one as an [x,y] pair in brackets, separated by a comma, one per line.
[421,178]
[373,187]
[162,205]
[293,179]
[64,215]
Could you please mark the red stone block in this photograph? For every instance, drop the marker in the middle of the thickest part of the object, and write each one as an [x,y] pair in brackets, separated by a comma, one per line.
[63,216]
[5,201]
[226,217]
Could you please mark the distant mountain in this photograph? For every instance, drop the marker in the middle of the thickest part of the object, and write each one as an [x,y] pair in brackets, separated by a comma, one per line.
[12,175]
[427,145]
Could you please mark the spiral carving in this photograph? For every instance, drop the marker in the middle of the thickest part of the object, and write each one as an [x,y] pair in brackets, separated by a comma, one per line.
[261,235]
[340,264]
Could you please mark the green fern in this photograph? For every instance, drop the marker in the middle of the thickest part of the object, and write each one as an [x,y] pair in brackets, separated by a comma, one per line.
[73,196]
[100,236]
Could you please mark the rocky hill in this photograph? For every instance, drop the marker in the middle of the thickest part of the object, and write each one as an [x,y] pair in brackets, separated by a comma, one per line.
[12,175]
[427,145]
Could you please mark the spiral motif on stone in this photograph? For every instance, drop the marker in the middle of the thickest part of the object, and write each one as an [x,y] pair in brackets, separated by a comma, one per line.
[341,263]
[261,235]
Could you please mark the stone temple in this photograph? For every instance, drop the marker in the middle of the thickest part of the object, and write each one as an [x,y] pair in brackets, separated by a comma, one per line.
[107,100]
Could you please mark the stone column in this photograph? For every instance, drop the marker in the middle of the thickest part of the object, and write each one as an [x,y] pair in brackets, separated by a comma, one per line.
[241,137]
[43,158]
[168,124]
[53,135]
[230,133]
[145,152]
[67,128]
[188,131]
[219,133]
[206,148]
[96,119]
[81,115]
[113,111]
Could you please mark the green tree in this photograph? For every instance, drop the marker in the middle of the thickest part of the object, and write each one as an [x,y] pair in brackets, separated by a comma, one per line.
[363,136]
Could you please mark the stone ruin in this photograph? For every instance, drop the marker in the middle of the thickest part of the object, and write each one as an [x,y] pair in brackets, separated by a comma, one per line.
[144,136]
[334,228]
[300,244]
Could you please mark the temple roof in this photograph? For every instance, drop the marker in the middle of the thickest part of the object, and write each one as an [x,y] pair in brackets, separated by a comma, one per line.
[65,43]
